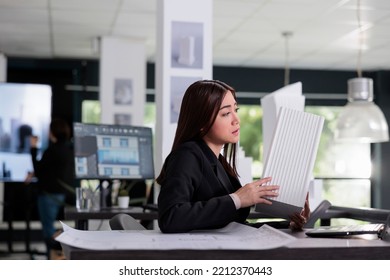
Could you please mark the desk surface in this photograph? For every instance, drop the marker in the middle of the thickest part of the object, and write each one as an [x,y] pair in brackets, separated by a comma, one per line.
[71,213]
[305,248]
[81,217]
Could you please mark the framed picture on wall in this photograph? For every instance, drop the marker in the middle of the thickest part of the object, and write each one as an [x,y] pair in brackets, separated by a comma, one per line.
[122,119]
[187,45]
[123,92]
[178,87]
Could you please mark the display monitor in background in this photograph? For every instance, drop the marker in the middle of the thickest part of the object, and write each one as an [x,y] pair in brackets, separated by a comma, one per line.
[25,110]
[105,151]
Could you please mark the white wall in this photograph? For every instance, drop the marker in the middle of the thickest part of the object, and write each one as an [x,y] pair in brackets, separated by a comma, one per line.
[3,68]
[122,81]
[184,55]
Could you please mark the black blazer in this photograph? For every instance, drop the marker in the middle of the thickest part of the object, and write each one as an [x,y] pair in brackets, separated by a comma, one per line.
[195,192]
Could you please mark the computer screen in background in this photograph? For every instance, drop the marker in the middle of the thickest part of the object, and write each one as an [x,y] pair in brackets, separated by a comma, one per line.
[105,151]
[25,110]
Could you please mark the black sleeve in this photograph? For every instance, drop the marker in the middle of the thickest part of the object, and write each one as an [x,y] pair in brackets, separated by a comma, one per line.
[45,165]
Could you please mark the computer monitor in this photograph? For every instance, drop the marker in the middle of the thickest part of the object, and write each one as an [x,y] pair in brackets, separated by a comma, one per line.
[104,151]
[25,110]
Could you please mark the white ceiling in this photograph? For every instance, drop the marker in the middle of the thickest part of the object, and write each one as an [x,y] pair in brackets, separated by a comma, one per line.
[245,32]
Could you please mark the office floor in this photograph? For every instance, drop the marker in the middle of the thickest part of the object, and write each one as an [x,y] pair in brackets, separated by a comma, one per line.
[37,247]
[36,250]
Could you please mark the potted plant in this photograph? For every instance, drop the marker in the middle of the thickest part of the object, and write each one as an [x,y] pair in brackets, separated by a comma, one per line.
[123,198]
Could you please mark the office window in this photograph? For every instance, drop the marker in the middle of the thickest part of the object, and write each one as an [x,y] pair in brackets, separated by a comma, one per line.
[344,169]
[90,111]
[251,136]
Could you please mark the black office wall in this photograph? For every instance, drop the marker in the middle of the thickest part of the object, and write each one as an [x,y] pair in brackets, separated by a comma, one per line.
[66,103]
[381,152]
[267,80]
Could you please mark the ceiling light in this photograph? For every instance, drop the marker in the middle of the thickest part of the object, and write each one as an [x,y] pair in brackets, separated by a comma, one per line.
[361,120]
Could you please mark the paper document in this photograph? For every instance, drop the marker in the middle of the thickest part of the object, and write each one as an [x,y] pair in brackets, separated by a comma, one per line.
[291,160]
[289,96]
[233,236]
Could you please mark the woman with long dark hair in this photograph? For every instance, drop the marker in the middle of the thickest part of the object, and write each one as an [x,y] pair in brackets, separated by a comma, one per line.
[200,187]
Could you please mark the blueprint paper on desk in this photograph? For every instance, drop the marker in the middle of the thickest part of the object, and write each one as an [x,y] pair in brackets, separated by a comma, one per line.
[290,160]
[233,236]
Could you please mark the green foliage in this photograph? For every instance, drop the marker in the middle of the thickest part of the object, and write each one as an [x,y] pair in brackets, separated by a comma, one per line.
[91,111]
[251,132]
[123,192]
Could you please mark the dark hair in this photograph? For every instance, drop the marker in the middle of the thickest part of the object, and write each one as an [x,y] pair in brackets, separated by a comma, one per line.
[199,109]
[60,129]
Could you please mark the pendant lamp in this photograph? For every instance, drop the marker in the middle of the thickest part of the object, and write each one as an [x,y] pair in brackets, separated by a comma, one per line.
[361,120]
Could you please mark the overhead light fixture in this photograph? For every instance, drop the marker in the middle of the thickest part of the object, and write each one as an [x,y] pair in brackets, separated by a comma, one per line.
[361,120]
[287,35]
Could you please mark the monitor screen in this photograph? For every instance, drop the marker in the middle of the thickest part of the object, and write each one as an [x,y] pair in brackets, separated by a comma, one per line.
[105,151]
[25,110]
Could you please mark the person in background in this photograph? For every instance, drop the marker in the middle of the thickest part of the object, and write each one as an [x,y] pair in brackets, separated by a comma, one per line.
[55,175]
[200,187]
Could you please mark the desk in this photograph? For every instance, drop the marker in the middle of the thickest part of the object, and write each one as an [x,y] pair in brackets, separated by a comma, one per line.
[81,217]
[304,248]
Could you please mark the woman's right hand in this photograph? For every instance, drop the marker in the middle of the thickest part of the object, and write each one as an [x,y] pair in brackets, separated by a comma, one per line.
[255,192]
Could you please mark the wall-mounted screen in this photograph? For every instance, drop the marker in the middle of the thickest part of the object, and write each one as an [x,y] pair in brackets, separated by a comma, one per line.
[105,151]
[25,110]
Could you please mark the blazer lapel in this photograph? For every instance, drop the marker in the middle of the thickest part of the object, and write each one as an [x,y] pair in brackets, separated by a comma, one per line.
[223,178]
[217,167]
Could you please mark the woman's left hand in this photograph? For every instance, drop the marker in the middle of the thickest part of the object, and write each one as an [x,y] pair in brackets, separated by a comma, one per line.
[298,220]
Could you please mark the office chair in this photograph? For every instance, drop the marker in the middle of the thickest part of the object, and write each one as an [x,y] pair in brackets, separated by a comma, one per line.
[123,221]
[139,197]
